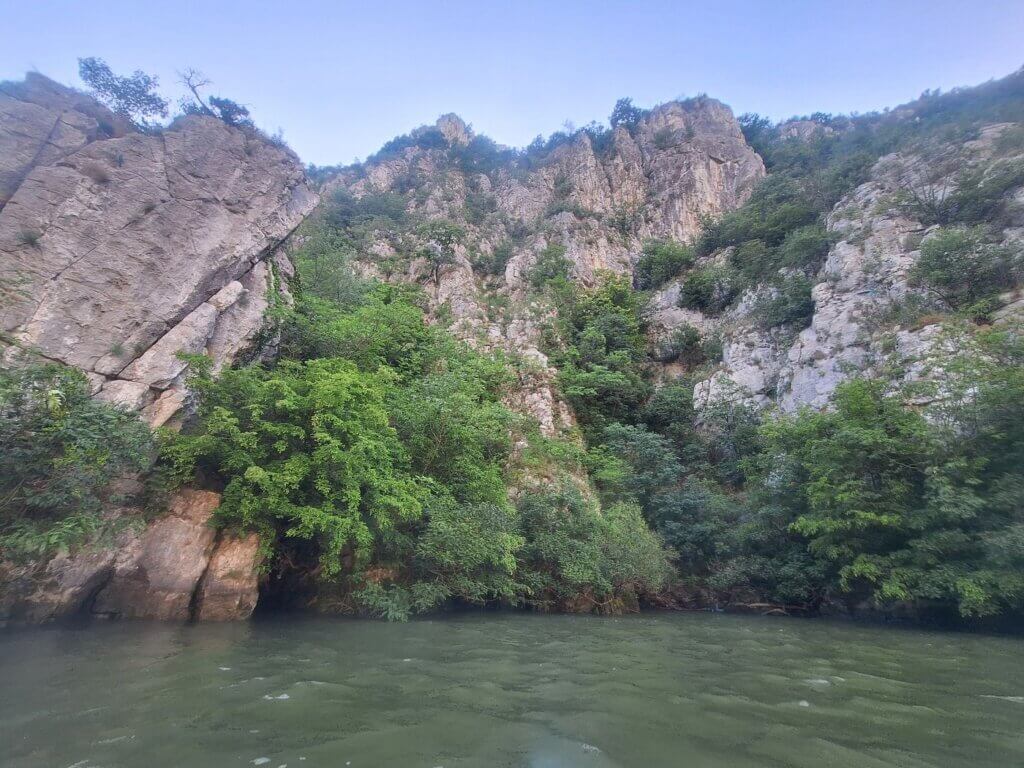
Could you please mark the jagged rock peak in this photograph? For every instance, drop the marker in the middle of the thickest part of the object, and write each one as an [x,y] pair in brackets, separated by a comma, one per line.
[454,129]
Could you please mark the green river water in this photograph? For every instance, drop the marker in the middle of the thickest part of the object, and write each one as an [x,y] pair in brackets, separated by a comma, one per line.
[490,689]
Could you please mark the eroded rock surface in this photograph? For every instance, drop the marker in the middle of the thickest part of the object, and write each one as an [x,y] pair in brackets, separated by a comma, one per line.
[863,281]
[683,161]
[118,251]
[176,568]
[125,249]
[230,587]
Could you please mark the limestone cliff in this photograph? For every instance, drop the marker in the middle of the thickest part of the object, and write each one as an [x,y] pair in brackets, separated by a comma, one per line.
[855,328]
[119,249]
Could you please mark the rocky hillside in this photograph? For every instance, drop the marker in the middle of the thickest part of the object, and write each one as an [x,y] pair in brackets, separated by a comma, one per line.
[870,316]
[784,342]
[600,196]
[647,307]
[595,195]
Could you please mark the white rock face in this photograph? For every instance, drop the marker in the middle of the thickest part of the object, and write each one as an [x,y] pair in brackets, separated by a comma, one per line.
[866,274]
[124,249]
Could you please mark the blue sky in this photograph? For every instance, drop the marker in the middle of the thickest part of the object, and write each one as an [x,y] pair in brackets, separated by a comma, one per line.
[341,78]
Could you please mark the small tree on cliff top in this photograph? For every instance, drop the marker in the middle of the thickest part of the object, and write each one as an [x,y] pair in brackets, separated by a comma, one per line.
[133,97]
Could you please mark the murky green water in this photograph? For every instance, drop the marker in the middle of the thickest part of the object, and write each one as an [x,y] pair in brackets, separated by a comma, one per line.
[510,690]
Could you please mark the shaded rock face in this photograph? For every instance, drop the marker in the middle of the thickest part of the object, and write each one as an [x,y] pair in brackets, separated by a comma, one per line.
[682,162]
[179,567]
[44,122]
[229,588]
[124,249]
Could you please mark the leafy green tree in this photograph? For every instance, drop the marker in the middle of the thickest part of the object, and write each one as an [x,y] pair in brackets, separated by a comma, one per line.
[576,557]
[708,289]
[441,237]
[471,551]
[551,266]
[791,304]
[652,465]
[962,268]
[603,348]
[626,115]
[305,451]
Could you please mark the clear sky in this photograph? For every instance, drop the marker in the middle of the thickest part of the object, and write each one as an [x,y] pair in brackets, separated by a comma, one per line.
[340,78]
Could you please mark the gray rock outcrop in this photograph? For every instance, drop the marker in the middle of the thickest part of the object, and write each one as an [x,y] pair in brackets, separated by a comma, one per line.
[863,281]
[118,251]
[123,249]
[682,162]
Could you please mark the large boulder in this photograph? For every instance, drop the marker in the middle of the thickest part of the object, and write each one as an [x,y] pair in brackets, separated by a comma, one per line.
[230,587]
[156,574]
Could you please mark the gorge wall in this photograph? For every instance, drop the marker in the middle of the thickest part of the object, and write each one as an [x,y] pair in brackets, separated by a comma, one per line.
[121,249]
[118,251]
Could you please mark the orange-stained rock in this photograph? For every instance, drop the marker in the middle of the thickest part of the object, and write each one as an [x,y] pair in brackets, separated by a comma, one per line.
[229,589]
[156,574]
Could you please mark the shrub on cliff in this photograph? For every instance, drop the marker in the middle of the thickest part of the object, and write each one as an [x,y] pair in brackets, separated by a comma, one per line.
[660,262]
[61,455]
[709,289]
[961,268]
[551,265]
[133,96]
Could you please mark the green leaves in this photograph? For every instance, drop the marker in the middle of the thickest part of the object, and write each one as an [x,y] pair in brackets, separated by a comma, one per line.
[902,509]
[307,451]
[60,454]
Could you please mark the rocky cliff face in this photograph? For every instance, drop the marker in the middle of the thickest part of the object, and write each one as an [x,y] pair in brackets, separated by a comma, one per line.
[599,196]
[118,250]
[855,328]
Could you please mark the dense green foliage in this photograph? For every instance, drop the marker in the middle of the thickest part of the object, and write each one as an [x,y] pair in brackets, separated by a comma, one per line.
[377,455]
[551,265]
[601,351]
[60,453]
[963,269]
[660,262]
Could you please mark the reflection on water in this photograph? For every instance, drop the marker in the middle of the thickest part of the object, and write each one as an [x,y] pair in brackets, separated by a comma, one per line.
[510,690]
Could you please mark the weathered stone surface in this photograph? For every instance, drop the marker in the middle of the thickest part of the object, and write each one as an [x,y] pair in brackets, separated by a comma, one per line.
[41,122]
[230,587]
[866,274]
[35,593]
[127,248]
[177,568]
[156,574]
[131,395]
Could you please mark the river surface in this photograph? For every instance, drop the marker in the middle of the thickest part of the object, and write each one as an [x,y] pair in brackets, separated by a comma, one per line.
[491,689]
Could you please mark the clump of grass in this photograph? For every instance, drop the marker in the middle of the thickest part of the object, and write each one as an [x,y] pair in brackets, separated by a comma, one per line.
[117,349]
[29,237]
